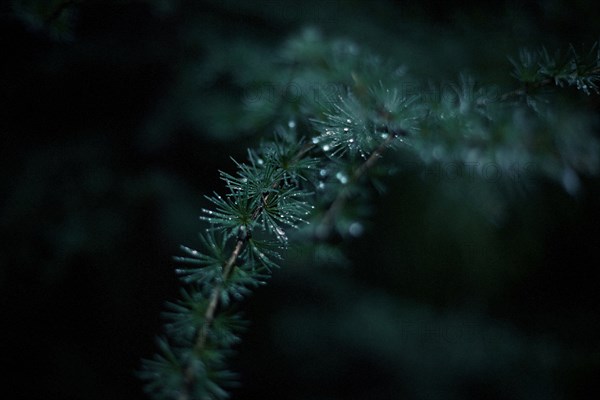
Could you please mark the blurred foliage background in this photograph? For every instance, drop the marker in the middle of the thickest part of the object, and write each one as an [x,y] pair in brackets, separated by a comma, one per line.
[117,117]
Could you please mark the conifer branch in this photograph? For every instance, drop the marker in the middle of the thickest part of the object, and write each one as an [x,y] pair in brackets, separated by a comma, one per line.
[270,194]
[209,317]
[215,296]
[538,69]
[229,265]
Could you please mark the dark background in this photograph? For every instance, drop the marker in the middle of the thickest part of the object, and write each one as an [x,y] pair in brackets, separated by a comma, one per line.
[117,116]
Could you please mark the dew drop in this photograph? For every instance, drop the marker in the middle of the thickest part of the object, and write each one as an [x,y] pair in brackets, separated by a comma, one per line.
[342,177]
[349,121]
[315,140]
[321,186]
[260,161]
[355,229]
[385,135]
[292,124]
[323,172]
[346,129]
[326,147]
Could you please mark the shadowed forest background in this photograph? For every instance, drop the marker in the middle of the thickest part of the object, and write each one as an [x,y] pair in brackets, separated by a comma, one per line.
[117,117]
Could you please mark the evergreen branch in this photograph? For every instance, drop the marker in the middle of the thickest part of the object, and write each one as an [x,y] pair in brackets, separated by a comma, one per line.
[209,317]
[269,193]
[538,69]
[243,238]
